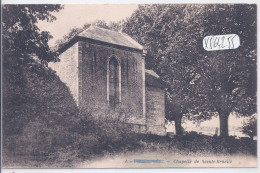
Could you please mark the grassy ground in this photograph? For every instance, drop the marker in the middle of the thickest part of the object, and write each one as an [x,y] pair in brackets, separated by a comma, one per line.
[162,159]
[124,152]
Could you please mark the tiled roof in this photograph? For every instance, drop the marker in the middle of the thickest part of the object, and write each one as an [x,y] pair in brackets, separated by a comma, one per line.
[109,36]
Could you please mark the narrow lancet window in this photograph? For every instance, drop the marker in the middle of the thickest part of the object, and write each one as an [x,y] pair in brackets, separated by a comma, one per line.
[113,82]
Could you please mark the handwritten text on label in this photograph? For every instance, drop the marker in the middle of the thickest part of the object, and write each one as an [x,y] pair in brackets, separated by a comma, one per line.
[221,42]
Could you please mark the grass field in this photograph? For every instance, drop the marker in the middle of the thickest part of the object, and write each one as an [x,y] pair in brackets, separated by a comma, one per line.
[187,151]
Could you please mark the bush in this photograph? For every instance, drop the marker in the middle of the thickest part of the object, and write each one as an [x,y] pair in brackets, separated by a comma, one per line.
[250,128]
[96,136]
[37,108]
[40,117]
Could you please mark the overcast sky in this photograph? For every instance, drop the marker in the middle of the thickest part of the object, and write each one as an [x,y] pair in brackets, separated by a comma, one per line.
[77,15]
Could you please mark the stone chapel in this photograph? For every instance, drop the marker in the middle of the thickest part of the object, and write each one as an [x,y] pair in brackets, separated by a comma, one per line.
[105,72]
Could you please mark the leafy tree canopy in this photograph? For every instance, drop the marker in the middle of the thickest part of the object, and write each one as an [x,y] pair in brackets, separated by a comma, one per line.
[202,83]
[250,128]
[21,35]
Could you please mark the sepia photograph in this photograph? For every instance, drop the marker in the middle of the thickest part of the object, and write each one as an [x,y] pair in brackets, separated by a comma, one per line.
[129,85]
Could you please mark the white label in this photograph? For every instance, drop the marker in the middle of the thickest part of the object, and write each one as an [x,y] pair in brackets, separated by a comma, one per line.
[221,42]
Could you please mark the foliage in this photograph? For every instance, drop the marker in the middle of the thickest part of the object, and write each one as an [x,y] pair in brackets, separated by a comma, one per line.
[40,118]
[97,135]
[201,84]
[170,34]
[189,144]
[250,128]
[228,78]
[37,107]
[21,35]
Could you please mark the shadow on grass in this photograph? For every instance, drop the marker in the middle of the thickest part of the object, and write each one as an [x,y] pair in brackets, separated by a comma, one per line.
[136,143]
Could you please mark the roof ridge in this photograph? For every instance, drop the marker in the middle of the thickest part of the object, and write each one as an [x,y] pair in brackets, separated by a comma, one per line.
[93,26]
[110,36]
[106,29]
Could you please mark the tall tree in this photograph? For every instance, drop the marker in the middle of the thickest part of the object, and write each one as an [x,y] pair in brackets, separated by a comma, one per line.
[21,35]
[170,35]
[202,84]
[228,77]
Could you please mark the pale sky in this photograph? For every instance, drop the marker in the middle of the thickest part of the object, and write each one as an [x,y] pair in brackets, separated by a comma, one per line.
[77,15]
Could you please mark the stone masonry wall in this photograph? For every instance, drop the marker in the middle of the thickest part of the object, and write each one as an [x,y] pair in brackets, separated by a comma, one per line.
[83,68]
[155,111]
[67,70]
[93,82]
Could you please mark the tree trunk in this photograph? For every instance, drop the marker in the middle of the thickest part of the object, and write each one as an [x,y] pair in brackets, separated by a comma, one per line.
[223,124]
[178,126]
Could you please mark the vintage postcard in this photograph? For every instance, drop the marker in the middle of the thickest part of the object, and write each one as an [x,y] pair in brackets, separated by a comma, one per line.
[129,85]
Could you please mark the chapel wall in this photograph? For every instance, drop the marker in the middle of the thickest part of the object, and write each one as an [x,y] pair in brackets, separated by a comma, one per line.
[93,83]
[155,110]
[67,70]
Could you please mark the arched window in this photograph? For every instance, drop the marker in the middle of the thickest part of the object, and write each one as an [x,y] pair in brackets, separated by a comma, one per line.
[114,82]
